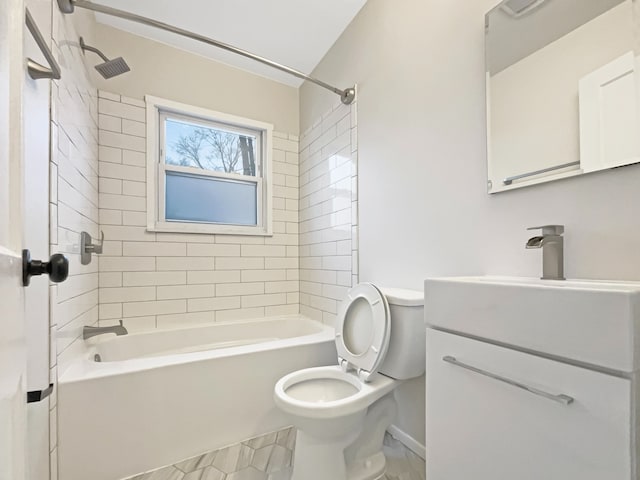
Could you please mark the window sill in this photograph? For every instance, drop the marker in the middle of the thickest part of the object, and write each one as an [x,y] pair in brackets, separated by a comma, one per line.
[210,229]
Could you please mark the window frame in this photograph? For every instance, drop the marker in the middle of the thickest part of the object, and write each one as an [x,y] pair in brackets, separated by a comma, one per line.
[158,110]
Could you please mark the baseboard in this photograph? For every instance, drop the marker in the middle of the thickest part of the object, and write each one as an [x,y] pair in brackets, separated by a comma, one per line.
[408,441]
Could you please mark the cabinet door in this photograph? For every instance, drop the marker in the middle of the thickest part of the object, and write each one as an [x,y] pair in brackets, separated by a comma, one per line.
[483,428]
[608,116]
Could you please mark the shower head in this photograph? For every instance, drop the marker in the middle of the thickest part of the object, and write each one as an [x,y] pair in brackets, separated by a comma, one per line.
[110,68]
[113,68]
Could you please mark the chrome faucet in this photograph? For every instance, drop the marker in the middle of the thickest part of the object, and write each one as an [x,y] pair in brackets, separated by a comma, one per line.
[552,244]
[88,332]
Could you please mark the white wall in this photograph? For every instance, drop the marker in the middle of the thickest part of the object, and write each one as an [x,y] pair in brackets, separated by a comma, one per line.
[167,72]
[424,210]
[537,97]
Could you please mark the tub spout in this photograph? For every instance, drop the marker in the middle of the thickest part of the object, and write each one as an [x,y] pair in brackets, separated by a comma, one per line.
[88,332]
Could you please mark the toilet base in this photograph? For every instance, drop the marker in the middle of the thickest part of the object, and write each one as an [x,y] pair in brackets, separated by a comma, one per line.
[358,456]
[324,466]
[371,468]
[317,459]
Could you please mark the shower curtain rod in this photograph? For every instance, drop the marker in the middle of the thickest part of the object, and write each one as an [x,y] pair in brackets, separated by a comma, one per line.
[347,96]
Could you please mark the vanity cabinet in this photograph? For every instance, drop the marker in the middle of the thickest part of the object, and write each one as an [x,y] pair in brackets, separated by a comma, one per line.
[483,424]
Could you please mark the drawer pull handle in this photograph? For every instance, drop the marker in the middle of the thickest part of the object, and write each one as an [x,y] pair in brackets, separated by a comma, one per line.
[563,399]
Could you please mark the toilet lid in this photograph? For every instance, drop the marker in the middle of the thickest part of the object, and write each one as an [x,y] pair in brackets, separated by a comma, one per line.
[363,329]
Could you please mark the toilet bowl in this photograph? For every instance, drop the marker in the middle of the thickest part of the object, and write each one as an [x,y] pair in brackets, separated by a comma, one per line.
[341,412]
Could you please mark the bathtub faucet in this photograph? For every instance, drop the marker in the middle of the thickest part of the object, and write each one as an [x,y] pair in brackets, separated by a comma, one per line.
[88,332]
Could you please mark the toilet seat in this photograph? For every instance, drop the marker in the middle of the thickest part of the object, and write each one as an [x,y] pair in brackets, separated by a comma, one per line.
[364,394]
[363,330]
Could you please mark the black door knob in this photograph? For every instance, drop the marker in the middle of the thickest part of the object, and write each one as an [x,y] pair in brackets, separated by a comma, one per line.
[57,267]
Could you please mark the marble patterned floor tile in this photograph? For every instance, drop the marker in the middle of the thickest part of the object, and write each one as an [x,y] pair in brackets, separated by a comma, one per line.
[262,440]
[196,463]
[167,473]
[207,473]
[271,458]
[287,438]
[233,458]
[402,463]
[282,474]
[249,473]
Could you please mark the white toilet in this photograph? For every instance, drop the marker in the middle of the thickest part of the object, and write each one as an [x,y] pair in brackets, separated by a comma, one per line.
[341,412]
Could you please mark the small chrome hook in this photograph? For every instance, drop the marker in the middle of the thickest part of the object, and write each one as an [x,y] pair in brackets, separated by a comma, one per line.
[87,247]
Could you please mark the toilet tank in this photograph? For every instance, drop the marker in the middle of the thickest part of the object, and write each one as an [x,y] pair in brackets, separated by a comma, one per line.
[406,354]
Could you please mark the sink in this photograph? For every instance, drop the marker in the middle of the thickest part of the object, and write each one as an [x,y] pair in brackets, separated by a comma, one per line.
[591,322]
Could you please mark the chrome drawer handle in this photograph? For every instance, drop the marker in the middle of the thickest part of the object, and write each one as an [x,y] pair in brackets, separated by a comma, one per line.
[563,399]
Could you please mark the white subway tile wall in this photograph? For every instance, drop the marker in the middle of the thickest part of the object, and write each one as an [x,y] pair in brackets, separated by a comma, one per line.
[328,212]
[163,280]
[73,204]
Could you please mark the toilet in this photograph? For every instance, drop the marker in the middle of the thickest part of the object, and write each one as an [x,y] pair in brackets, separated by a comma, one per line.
[341,412]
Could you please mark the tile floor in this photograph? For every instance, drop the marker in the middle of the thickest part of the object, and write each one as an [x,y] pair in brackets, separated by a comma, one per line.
[402,463]
[270,457]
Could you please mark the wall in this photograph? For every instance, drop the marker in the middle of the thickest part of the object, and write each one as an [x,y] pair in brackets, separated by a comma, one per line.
[73,199]
[167,72]
[537,97]
[423,206]
[328,212]
[164,280]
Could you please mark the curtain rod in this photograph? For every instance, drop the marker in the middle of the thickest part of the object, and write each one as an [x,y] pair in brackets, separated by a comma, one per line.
[347,96]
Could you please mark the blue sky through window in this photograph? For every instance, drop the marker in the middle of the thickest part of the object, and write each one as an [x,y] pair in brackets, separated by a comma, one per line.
[207,148]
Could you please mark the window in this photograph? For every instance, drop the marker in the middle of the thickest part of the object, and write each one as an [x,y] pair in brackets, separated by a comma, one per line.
[207,172]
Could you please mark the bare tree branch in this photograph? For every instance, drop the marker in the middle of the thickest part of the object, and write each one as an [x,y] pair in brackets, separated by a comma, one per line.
[189,147]
[217,150]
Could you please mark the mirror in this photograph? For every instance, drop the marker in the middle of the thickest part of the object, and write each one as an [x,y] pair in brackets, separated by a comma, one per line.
[561,90]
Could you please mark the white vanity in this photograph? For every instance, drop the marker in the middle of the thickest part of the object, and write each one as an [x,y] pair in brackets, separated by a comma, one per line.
[532,379]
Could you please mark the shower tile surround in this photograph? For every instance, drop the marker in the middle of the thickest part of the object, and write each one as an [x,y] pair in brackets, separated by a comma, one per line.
[73,204]
[328,212]
[270,457]
[163,280]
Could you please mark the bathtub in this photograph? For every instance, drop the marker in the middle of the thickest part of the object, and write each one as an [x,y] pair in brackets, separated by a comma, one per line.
[156,398]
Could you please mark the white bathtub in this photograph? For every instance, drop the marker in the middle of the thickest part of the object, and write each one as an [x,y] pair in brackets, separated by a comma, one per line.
[157,398]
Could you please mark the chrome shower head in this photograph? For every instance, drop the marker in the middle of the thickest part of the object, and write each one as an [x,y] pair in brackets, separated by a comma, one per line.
[113,68]
[110,68]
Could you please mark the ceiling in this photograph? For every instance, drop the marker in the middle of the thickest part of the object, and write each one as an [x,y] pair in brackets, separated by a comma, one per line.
[296,33]
[511,39]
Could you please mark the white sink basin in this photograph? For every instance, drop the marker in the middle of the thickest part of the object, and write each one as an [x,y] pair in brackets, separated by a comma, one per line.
[592,322]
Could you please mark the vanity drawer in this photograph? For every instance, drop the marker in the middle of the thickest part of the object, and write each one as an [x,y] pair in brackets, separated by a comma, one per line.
[482,424]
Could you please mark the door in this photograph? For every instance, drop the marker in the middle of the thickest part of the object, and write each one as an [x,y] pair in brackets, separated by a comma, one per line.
[36,95]
[13,360]
[24,186]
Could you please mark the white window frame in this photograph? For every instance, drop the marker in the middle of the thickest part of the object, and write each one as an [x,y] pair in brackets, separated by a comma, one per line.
[157,110]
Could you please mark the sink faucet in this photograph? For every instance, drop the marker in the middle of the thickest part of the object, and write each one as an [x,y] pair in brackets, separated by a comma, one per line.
[552,244]
[88,332]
